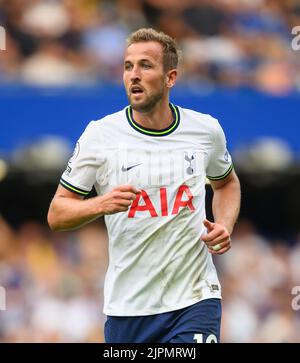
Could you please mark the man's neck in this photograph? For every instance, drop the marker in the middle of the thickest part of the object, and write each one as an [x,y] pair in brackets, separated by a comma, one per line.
[161,117]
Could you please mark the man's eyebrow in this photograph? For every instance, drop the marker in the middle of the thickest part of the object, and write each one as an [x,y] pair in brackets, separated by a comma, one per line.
[140,60]
[147,60]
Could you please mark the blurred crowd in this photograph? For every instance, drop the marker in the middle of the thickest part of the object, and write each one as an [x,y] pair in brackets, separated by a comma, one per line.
[54,285]
[235,43]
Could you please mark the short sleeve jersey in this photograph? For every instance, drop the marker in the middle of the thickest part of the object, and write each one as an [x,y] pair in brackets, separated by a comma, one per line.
[157,261]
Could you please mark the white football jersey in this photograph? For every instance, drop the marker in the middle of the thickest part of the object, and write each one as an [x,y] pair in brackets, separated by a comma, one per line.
[157,261]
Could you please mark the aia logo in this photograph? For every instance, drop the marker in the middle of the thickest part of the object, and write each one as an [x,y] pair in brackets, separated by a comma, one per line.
[143,203]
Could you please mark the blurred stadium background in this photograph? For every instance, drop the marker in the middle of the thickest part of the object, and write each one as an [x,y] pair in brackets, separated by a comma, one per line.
[62,68]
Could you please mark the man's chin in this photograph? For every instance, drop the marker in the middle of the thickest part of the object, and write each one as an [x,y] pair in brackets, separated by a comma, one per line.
[139,106]
[145,104]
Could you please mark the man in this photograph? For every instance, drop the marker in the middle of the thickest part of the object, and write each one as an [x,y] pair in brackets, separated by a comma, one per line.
[149,164]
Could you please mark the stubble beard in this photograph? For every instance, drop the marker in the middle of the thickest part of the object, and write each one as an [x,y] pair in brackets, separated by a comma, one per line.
[149,104]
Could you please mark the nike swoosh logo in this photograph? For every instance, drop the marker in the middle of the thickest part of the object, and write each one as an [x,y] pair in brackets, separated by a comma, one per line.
[130,167]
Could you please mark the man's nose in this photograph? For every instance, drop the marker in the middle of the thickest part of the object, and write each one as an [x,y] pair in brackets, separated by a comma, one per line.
[135,74]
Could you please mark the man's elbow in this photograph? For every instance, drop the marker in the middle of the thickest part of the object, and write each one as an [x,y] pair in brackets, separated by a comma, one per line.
[57,224]
[53,220]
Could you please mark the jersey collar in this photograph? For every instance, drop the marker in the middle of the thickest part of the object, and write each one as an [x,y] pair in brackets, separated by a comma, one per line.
[153,132]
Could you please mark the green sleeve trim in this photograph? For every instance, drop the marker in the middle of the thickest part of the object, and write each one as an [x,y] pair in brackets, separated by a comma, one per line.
[72,188]
[221,176]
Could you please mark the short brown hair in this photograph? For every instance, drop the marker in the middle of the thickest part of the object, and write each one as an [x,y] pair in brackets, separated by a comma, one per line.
[170,47]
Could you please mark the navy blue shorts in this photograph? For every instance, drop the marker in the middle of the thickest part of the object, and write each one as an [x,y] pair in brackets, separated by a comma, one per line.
[198,323]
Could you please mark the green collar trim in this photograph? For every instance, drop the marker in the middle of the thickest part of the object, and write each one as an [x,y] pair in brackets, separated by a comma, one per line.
[153,132]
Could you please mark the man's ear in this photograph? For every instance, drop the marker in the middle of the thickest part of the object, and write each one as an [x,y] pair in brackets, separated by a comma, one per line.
[171,77]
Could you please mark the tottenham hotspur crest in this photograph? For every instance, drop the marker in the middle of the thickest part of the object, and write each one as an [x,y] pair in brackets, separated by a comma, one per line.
[190,159]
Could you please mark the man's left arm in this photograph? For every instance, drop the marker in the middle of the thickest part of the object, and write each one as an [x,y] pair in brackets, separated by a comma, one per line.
[226,206]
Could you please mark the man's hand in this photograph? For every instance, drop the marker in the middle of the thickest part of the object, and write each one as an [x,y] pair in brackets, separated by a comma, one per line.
[217,238]
[118,200]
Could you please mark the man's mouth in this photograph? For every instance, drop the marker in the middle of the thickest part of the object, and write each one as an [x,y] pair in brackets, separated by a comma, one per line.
[136,90]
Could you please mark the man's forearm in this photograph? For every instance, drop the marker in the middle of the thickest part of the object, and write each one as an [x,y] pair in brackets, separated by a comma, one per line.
[66,213]
[69,211]
[226,204]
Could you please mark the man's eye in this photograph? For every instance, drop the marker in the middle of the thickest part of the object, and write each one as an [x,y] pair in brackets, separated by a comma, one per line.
[147,66]
[128,66]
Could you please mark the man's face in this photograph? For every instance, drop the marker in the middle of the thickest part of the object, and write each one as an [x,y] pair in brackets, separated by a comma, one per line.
[144,76]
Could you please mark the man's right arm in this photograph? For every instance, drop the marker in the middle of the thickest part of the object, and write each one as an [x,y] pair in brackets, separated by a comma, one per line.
[69,210]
